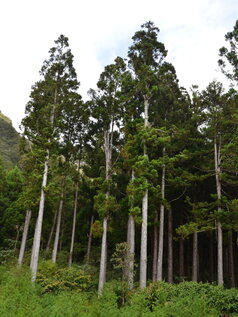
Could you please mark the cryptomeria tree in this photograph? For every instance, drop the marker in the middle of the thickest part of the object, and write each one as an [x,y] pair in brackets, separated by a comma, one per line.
[106,111]
[145,58]
[44,112]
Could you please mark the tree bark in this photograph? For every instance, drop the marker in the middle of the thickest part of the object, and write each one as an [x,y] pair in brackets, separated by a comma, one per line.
[131,251]
[102,273]
[170,245]
[181,259]
[24,236]
[155,248]
[143,249]
[161,227]
[211,257]
[57,232]
[195,258]
[51,231]
[108,143]
[90,240]
[131,244]
[74,224]
[39,222]
[38,228]
[217,158]
[231,259]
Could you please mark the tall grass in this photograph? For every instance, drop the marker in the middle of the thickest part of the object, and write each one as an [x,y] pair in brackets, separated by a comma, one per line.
[19,297]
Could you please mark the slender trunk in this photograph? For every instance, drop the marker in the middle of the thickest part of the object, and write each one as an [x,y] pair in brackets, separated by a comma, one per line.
[161,227]
[51,232]
[231,259]
[131,244]
[17,237]
[61,239]
[108,143]
[217,158]
[57,232]
[195,257]
[155,248]
[74,224]
[102,273]
[143,249]
[24,236]
[181,259]
[170,245]
[90,239]
[38,228]
[211,257]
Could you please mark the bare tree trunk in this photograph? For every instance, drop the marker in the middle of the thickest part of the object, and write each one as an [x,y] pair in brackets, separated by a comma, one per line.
[181,259]
[102,273]
[108,143]
[51,231]
[143,249]
[217,158]
[38,228]
[57,232]
[24,236]
[170,245]
[131,244]
[195,257]
[161,227]
[231,259]
[211,258]
[74,224]
[39,222]
[155,248]
[90,239]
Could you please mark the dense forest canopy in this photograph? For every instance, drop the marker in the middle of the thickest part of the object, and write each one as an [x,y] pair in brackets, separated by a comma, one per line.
[138,183]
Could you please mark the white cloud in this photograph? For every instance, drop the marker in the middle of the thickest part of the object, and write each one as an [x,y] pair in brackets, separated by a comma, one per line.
[192,30]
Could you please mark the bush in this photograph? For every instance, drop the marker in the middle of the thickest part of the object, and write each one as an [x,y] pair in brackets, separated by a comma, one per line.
[54,279]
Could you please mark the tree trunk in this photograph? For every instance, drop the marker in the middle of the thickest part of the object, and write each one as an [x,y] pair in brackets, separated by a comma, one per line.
[57,232]
[131,251]
[74,224]
[161,227]
[24,236]
[102,273]
[211,258]
[39,222]
[143,249]
[52,231]
[131,245]
[181,259]
[195,258]
[90,240]
[155,248]
[170,245]
[231,259]
[38,228]
[217,158]
[108,143]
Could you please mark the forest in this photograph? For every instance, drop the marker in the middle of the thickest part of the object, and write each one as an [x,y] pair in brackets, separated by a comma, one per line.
[124,204]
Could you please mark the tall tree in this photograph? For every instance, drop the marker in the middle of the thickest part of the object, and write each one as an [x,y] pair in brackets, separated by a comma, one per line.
[44,114]
[145,57]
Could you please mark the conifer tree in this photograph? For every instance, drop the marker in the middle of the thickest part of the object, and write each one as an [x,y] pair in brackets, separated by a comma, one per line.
[44,112]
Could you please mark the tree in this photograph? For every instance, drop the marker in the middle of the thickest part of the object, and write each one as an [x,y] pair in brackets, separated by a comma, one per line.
[44,114]
[145,57]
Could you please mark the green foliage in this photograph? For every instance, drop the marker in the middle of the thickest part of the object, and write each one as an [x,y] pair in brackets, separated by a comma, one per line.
[55,279]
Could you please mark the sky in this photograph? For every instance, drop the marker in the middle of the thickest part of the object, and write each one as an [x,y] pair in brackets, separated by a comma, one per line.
[100,30]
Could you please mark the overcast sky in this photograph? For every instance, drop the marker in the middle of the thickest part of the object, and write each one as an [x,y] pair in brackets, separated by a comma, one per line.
[98,31]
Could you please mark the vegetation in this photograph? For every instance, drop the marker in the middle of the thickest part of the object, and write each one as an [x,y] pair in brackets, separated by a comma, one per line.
[114,196]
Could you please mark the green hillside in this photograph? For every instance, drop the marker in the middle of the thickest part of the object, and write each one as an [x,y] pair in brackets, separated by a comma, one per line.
[9,142]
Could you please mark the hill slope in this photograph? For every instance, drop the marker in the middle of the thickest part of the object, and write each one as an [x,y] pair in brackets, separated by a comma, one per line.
[9,142]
